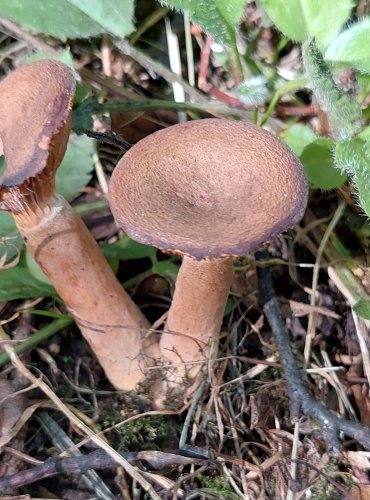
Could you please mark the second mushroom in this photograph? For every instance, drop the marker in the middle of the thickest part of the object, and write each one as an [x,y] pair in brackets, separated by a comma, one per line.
[208,190]
[35,122]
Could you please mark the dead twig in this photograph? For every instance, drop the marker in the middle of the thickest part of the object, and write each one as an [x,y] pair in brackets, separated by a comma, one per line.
[299,396]
[96,460]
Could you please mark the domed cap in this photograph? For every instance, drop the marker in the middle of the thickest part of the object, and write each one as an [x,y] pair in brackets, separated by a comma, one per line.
[208,188]
[35,104]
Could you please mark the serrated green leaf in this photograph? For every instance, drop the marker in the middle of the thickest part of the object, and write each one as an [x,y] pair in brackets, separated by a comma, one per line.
[302,19]
[75,170]
[318,162]
[71,18]
[20,283]
[7,225]
[219,18]
[362,308]
[352,47]
[298,136]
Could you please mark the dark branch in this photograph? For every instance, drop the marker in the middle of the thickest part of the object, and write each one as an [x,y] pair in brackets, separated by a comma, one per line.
[96,460]
[110,138]
[299,396]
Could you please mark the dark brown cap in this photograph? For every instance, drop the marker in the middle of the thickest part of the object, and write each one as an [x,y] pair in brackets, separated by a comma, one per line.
[35,115]
[208,188]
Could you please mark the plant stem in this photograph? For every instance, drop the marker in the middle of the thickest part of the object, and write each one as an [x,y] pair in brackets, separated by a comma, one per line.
[153,104]
[36,338]
[287,88]
[85,209]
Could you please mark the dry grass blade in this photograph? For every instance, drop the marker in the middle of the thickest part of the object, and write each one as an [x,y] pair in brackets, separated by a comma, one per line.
[312,317]
[135,474]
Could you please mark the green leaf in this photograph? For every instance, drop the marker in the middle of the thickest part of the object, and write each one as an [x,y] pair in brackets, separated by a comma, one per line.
[352,47]
[318,162]
[362,308]
[82,119]
[2,165]
[302,19]
[114,15]
[229,306]
[253,91]
[37,274]
[166,268]
[63,56]
[365,134]
[353,158]
[71,18]
[11,241]
[127,249]
[298,136]
[219,18]
[75,171]
[20,282]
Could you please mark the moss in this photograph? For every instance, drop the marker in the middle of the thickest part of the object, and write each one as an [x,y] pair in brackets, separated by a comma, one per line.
[218,487]
[153,432]
[323,490]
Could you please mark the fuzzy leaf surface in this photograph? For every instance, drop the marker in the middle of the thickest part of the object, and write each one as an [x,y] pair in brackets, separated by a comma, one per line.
[344,112]
[352,47]
[353,157]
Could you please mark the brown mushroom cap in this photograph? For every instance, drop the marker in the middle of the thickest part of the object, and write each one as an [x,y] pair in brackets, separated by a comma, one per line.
[208,188]
[35,104]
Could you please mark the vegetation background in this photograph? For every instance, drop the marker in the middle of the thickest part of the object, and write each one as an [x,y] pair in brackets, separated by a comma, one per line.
[300,68]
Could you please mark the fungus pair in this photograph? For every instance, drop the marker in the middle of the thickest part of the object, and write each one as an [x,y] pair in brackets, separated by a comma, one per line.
[209,190]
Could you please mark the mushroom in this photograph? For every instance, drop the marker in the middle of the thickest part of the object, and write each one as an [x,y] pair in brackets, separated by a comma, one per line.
[35,122]
[208,190]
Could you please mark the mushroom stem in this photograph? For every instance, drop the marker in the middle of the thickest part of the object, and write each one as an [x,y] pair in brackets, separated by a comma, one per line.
[195,316]
[108,318]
